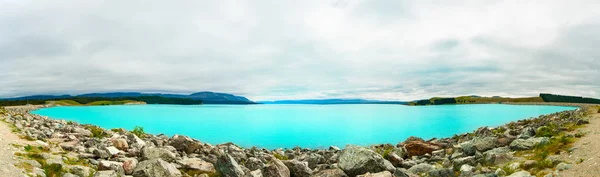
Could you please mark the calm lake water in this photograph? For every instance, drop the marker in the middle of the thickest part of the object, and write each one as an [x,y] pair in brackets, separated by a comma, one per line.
[312,126]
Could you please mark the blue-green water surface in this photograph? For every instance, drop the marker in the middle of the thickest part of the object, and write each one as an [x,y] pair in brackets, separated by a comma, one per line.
[311,126]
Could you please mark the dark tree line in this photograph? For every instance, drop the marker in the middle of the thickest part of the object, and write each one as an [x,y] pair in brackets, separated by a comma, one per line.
[568,99]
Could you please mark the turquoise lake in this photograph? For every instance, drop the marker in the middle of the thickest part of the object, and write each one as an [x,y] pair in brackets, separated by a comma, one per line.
[310,126]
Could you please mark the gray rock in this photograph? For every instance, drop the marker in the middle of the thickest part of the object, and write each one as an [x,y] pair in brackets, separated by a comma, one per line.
[528,132]
[80,170]
[380,174]
[69,175]
[198,165]
[527,144]
[401,172]
[467,170]
[478,144]
[520,174]
[497,156]
[83,132]
[421,168]
[106,173]
[39,172]
[330,173]
[102,154]
[297,168]
[335,148]
[255,173]
[33,163]
[276,168]
[184,143]
[111,165]
[150,153]
[457,163]
[156,168]
[254,163]
[228,167]
[314,159]
[356,160]
[444,172]
[563,166]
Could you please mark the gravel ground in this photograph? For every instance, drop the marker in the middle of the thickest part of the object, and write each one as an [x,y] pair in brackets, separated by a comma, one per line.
[7,151]
[588,149]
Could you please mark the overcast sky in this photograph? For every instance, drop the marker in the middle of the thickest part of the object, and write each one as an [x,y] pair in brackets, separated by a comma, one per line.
[292,49]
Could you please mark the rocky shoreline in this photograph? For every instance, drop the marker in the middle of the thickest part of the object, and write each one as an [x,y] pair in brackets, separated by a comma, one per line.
[523,148]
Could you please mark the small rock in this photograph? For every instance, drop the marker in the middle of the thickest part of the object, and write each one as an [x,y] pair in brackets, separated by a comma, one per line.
[467,170]
[120,144]
[228,167]
[520,174]
[421,168]
[112,150]
[527,144]
[129,165]
[254,164]
[380,174]
[330,173]
[80,170]
[276,168]
[106,173]
[297,168]
[198,165]
[149,153]
[401,172]
[563,166]
[156,168]
[111,165]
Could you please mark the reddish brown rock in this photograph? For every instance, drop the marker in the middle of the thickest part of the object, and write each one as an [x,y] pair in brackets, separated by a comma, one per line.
[419,148]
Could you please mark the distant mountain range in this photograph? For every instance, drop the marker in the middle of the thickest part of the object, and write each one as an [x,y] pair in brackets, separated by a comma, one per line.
[206,97]
[332,101]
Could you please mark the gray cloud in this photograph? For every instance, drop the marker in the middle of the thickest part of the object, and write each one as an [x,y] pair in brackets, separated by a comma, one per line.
[374,49]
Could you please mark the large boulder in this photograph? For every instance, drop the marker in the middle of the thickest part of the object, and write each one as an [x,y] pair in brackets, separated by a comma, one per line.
[197,165]
[419,148]
[276,168]
[184,143]
[150,153]
[355,160]
[297,168]
[156,168]
[527,144]
[228,167]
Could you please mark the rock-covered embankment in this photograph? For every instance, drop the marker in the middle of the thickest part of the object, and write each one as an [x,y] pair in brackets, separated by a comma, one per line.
[523,148]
